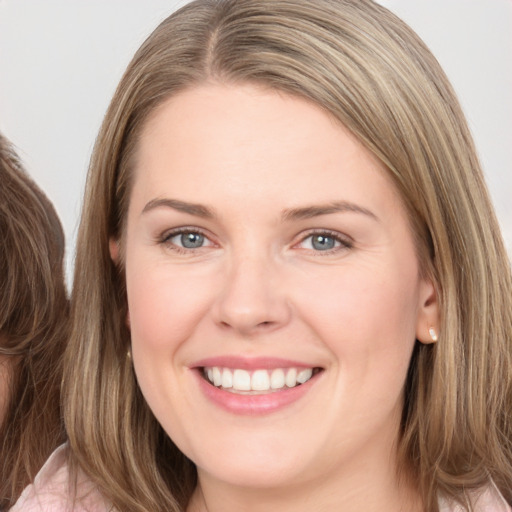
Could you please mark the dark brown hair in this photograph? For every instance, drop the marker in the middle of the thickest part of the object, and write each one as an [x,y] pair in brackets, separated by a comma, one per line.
[33,325]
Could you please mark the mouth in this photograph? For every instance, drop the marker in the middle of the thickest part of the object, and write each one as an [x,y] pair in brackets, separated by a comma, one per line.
[258,381]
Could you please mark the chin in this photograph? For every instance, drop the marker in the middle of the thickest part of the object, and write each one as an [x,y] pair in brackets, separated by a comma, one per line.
[258,464]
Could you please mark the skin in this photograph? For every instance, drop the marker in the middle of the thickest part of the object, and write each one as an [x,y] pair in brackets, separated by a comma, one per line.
[259,287]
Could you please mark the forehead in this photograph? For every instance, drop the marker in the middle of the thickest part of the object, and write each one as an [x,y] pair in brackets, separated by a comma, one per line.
[245,134]
[235,113]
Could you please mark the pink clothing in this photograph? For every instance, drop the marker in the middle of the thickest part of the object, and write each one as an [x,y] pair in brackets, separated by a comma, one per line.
[50,490]
[488,501]
[49,493]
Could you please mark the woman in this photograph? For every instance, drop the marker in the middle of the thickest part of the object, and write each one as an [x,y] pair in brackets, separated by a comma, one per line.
[33,327]
[290,290]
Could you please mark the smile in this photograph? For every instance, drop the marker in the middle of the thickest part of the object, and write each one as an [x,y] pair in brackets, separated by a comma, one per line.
[255,385]
[236,380]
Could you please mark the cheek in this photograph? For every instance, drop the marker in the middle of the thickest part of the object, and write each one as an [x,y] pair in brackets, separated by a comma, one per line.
[366,319]
[165,307]
[165,304]
[355,302]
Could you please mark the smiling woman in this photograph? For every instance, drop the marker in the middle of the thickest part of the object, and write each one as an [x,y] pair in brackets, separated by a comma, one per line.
[326,301]
[290,292]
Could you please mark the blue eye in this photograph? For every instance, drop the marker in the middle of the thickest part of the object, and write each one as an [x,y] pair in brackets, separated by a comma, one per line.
[185,239]
[323,242]
[191,240]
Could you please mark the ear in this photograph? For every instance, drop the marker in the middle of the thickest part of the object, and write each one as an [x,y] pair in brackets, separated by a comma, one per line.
[428,321]
[113,246]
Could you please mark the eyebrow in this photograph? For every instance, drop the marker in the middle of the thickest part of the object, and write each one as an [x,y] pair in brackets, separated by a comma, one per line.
[309,212]
[197,210]
[302,213]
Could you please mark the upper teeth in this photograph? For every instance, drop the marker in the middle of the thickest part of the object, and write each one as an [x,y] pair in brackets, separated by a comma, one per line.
[258,380]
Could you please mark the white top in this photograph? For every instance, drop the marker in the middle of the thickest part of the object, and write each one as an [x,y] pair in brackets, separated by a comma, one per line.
[49,493]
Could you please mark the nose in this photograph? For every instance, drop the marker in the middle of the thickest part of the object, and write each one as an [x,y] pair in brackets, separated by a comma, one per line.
[252,298]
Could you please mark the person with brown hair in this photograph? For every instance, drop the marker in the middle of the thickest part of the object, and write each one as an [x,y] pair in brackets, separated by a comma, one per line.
[33,327]
[290,291]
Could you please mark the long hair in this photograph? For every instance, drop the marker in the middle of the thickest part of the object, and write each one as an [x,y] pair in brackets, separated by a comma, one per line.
[33,326]
[369,71]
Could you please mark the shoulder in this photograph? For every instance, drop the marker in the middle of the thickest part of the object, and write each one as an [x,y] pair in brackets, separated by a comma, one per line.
[488,499]
[52,490]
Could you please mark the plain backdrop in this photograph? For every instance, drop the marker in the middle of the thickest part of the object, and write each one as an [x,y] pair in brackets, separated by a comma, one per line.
[60,61]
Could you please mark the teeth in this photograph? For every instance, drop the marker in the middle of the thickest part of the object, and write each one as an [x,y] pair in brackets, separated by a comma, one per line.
[291,377]
[241,380]
[217,377]
[277,379]
[304,375]
[227,378]
[258,380]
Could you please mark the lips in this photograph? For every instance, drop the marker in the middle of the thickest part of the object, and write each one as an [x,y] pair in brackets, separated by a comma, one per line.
[254,386]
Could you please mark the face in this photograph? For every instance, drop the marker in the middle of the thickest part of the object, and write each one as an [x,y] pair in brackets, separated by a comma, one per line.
[274,292]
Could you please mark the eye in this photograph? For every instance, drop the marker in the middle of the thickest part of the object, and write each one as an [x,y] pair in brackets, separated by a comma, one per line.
[185,239]
[188,240]
[324,242]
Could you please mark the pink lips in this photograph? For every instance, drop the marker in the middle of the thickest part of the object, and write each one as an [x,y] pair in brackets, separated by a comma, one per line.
[253,363]
[251,404]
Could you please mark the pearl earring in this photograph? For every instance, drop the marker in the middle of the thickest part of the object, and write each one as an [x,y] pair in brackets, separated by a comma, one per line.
[433,334]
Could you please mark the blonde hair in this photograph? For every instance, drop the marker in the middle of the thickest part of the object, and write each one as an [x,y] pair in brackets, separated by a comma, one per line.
[367,69]
[33,326]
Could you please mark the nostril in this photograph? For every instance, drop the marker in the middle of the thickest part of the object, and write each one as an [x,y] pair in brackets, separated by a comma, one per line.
[267,324]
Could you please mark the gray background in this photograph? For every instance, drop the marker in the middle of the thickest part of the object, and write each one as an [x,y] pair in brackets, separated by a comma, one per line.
[60,61]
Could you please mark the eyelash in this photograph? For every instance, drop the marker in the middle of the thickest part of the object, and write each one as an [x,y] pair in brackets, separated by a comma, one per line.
[166,238]
[344,241]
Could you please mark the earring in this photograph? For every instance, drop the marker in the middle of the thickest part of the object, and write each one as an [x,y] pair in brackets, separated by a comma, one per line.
[129,354]
[433,334]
